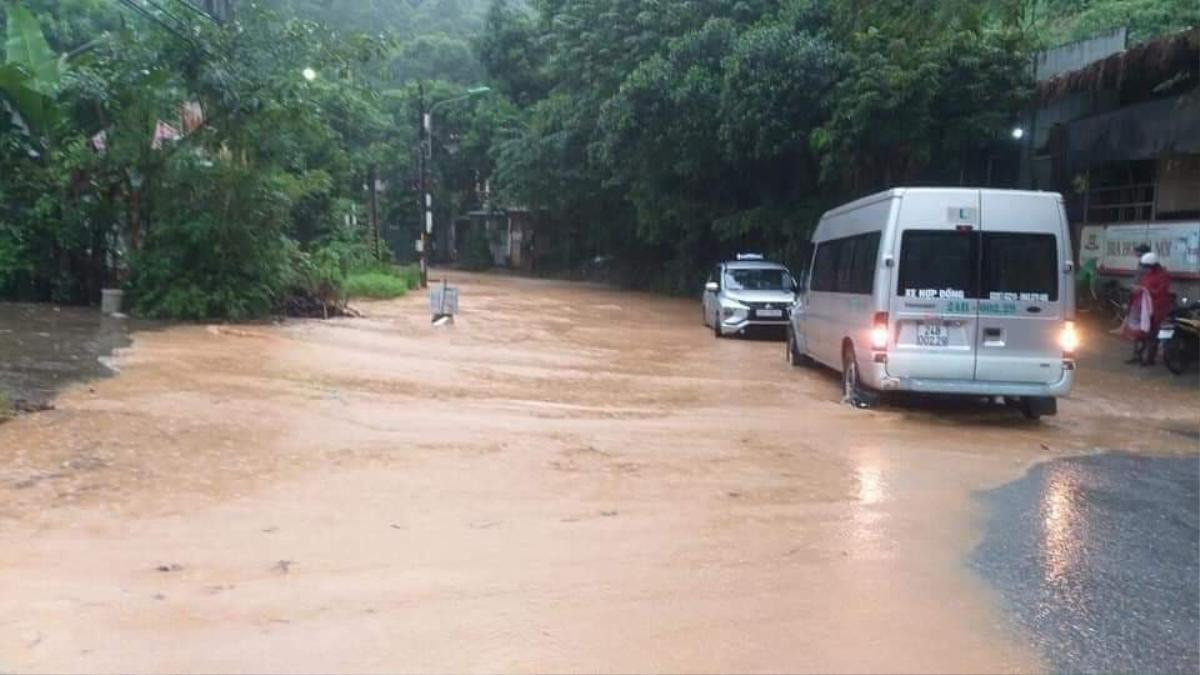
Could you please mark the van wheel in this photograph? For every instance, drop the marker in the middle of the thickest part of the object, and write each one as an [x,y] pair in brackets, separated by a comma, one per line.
[717,326]
[1034,407]
[853,391]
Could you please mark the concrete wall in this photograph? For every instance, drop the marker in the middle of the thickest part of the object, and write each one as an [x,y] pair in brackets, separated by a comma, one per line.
[1076,55]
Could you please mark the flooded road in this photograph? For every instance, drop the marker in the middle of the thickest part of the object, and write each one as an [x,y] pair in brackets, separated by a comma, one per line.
[570,478]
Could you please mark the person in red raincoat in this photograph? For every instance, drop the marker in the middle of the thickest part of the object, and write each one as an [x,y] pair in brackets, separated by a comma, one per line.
[1155,281]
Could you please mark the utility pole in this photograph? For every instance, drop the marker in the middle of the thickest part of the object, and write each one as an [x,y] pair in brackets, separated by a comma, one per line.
[375,207]
[425,159]
[425,152]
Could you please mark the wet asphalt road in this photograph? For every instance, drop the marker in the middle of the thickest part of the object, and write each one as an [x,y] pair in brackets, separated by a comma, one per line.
[1098,561]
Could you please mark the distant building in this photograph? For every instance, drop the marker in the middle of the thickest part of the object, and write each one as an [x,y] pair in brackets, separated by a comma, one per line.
[1116,130]
[510,236]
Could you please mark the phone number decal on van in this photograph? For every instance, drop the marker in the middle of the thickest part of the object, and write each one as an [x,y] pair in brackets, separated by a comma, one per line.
[1020,297]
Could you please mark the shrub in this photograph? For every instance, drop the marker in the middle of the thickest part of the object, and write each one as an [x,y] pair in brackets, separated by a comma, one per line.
[218,249]
[377,285]
[411,275]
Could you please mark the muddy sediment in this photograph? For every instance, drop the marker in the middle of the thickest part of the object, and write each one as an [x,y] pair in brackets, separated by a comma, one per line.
[569,478]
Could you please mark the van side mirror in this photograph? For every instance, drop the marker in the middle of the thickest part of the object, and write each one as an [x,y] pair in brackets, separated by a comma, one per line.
[712,287]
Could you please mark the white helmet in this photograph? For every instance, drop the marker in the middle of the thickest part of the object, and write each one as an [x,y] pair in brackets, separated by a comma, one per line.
[1149,259]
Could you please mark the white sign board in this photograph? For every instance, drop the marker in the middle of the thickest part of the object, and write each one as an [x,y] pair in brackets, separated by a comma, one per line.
[1176,244]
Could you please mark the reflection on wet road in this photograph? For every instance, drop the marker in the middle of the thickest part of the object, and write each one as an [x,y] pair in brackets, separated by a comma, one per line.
[43,348]
[1098,559]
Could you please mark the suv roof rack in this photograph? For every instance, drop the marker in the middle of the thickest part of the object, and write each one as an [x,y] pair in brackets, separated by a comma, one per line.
[750,256]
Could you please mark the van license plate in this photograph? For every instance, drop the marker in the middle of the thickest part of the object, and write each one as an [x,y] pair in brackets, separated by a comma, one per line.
[770,313]
[932,335]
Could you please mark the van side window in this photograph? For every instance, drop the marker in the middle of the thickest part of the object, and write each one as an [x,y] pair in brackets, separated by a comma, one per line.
[863,264]
[1020,267]
[847,265]
[846,250]
[938,264]
[825,267]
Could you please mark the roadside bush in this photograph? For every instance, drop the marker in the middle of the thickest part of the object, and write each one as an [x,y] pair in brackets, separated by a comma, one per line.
[411,275]
[218,249]
[382,280]
[376,285]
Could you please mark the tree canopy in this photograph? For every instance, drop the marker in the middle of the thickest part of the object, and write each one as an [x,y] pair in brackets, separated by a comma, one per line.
[214,168]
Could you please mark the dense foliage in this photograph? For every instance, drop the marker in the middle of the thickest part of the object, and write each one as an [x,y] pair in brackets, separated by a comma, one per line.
[649,137]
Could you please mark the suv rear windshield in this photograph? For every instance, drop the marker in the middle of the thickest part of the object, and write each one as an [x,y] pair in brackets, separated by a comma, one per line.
[993,265]
[766,279]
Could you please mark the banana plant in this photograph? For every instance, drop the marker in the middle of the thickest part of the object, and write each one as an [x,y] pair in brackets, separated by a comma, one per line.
[29,75]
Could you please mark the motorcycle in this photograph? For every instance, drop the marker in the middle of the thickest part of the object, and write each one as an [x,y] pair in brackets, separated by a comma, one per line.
[1179,337]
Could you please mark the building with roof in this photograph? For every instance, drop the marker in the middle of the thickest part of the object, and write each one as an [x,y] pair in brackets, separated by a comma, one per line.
[1116,130]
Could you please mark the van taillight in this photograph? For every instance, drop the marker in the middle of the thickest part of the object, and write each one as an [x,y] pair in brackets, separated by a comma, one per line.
[879,331]
[1069,338]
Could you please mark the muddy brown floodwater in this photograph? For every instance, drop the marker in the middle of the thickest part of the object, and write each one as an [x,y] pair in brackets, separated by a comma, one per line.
[569,479]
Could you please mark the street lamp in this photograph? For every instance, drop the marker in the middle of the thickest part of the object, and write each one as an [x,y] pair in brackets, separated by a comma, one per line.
[1018,133]
[426,158]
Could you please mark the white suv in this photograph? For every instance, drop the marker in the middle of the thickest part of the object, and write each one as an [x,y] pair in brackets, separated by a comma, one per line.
[747,292]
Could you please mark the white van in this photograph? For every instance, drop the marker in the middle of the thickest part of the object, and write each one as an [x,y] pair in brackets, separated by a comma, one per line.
[943,290]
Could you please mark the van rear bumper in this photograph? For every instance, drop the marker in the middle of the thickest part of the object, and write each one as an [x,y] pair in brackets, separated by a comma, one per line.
[973,387]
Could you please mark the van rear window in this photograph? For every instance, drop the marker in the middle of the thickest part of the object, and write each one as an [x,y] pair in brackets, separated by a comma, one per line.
[1020,267]
[938,264]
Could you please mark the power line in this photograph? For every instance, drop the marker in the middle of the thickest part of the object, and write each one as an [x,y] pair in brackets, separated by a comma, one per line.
[156,19]
[179,22]
[174,30]
[191,6]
